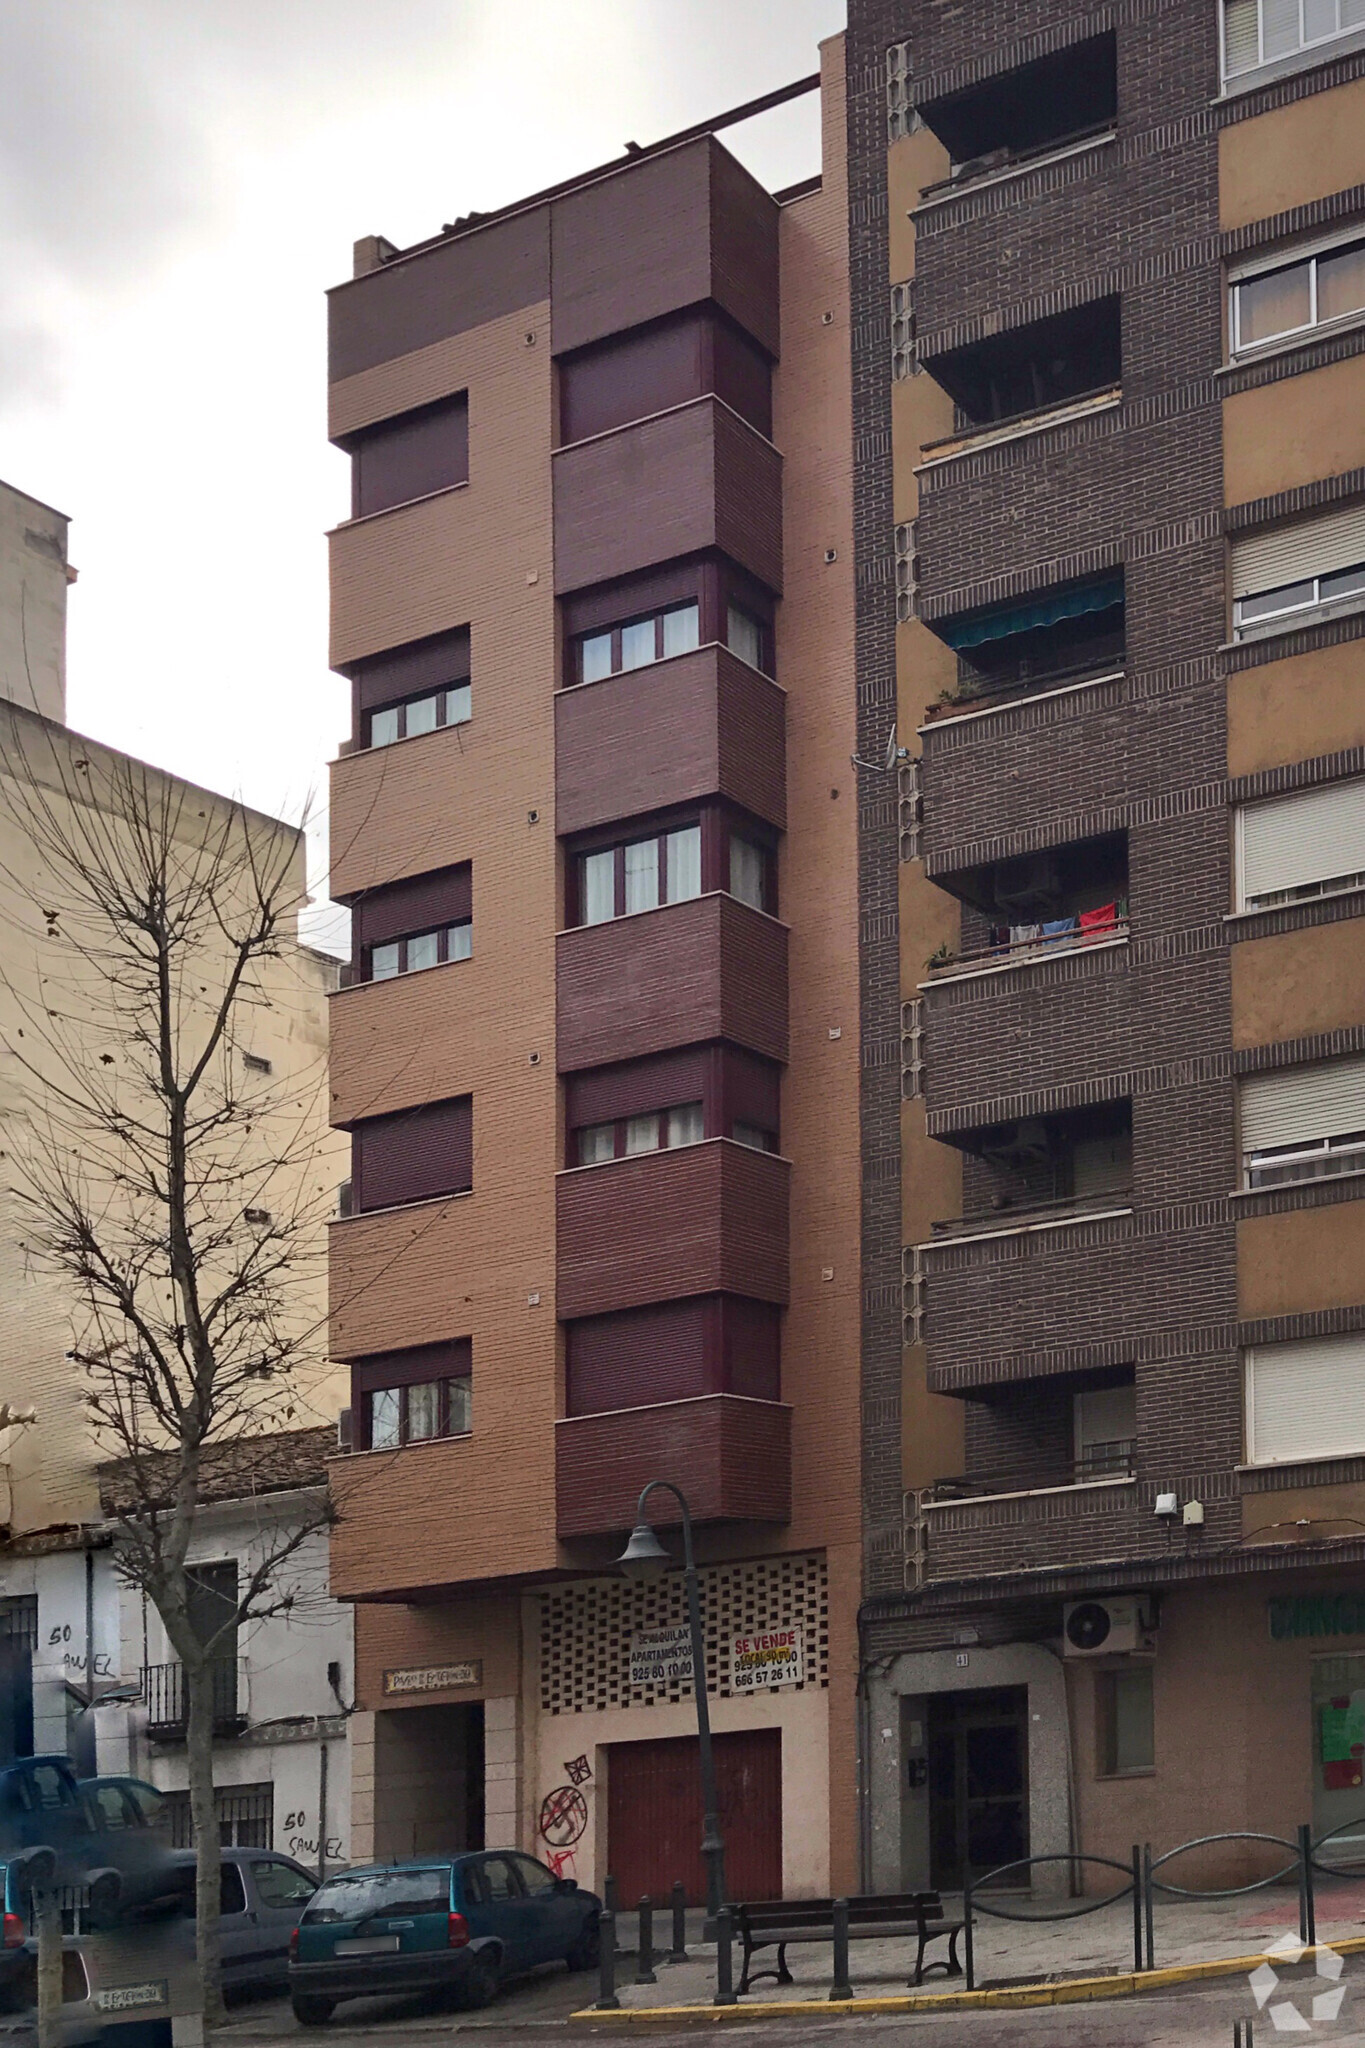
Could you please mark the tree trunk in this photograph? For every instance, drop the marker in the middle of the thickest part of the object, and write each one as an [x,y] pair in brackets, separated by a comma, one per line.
[204,1831]
[47,1919]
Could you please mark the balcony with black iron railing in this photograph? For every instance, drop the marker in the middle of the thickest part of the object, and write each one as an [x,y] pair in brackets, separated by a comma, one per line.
[166,1696]
[1093,1462]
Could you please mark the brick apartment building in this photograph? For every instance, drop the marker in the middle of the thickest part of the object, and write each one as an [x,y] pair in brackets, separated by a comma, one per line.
[1108,306]
[599,1052]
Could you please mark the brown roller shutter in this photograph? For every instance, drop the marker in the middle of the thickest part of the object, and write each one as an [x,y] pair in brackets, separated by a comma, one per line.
[409,1368]
[412,1155]
[632,376]
[410,457]
[751,1348]
[411,670]
[641,1356]
[638,1086]
[417,905]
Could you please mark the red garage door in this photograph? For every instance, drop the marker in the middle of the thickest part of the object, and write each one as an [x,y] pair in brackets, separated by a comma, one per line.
[654,1816]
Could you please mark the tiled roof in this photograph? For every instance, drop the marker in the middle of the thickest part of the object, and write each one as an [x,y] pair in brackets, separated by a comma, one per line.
[279,1463]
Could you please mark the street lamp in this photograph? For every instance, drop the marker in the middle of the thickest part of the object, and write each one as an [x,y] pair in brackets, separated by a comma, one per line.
[644,1559]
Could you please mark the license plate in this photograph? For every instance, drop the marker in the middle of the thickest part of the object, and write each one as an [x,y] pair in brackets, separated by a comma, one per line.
[369,1945]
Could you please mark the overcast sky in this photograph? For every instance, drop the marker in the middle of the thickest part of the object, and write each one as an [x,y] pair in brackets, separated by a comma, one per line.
[180,180]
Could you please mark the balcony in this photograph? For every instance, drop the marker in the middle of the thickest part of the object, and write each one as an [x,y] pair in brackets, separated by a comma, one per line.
[166,1697]
[703,724]
[680,975]
[1034,110]
[736,1455]
[693,478]
[1050,640]
[701,1219]
[1086,1523]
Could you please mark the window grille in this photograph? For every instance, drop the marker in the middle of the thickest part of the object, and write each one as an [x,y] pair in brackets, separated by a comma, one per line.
[585,1629]
[906,571]
[910,809]
[19,1620]
[245,1814]
[901,118]
[903,362]
[912,1295]
[912,1049]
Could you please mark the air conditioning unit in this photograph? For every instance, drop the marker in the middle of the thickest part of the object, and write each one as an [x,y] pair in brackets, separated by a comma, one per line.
[1111,1627]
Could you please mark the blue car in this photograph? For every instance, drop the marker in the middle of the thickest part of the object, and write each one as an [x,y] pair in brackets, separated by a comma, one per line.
[454,1924]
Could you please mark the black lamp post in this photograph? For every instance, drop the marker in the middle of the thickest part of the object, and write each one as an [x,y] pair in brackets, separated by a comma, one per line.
[644,1558]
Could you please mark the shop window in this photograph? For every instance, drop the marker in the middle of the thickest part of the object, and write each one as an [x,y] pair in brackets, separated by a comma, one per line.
[1126,1732]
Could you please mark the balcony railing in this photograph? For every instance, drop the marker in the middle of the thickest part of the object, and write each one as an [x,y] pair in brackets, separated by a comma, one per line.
[166,1696]
[985,694]
[1037,946]
[1095,1461]
[1026,1215]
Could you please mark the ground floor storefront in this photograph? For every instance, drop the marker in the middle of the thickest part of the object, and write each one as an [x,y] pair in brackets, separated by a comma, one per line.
[560,1719]
[1214,1708]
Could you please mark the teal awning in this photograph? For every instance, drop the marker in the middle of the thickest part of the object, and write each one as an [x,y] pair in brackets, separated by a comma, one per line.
[1031,612]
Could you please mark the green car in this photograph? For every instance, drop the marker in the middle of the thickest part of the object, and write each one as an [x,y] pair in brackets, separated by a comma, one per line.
[458,1924]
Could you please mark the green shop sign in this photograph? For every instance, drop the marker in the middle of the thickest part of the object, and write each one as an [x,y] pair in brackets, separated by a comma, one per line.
[1326,1614]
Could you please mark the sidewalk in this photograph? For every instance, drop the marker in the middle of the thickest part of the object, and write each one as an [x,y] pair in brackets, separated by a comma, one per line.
[1101,1944]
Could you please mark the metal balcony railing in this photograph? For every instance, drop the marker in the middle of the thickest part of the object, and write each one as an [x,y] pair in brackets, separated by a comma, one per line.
[984,693]
[1022,1215]
[1095,1461]
[1005,952]
[167,1698]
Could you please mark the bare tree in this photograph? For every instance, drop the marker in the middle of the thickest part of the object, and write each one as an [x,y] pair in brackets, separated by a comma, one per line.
[180,1194]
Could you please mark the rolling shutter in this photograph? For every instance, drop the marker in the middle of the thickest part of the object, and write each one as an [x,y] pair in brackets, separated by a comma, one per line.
[1292,841]
[412,1155]
[1288,554]
[1307,1400]
[1302,1104]
[1241,38]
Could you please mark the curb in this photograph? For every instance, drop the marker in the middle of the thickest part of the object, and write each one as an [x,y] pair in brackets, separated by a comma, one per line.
[1068,1991]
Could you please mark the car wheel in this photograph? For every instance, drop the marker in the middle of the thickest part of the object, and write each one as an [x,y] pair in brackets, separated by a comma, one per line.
[586,1952]
[313,2012]
[479,1987]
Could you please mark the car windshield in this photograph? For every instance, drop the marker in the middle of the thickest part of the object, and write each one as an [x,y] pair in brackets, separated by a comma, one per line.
[371,1892]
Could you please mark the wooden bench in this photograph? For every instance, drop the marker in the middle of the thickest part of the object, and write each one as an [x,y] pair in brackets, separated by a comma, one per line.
[871,1918]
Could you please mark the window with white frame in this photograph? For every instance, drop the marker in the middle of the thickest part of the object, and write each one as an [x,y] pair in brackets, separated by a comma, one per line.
[1303,1123]
[1105,1425]
[1291,849]
[1306,1399]
[1279,298]
[1257,32]
[1295,575]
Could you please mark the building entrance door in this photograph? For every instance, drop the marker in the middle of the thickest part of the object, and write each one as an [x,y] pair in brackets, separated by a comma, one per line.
[978,1783]
[654,1816]
[1339,1756]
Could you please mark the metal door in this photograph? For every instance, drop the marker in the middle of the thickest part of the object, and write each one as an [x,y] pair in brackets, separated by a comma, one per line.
[654,1816]
[978,1784]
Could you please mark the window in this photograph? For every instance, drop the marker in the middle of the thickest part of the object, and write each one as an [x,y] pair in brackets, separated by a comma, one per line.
[1292,849]
[1024,370]
[744,635]
[279,1884]
[418,1413]
[613,649]
[748,872]
[231,1891]
[410,456]
[499,1878]
[423,949]
[537,1881]
[1281,578]
[420,714]
[664,868]
[658,1130]
[752,1135]
[255,1064]
[1327,285]
[1126,1729]
[1105,1421]
[366,1894]
[246,1819]
[413,1155]
[1258,31]
[1306,1399]
[1303,1123]
[112,1810]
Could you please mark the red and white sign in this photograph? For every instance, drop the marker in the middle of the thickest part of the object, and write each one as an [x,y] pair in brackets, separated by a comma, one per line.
[777,1657]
